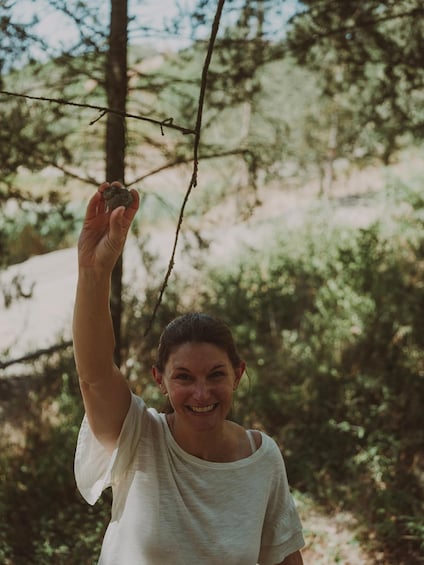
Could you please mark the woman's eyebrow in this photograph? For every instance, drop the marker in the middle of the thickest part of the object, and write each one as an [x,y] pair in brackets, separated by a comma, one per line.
[220,366]
[214,368]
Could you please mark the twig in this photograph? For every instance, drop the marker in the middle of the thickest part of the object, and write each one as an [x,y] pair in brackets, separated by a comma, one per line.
[186,161]
[68,173]
[193,181]
[35,354]
[168,122]
[99,117]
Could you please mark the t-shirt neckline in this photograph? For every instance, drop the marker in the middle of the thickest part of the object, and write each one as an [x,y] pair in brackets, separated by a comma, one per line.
[172,444]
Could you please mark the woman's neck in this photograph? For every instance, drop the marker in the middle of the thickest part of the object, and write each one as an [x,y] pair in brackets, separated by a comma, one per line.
[219,445]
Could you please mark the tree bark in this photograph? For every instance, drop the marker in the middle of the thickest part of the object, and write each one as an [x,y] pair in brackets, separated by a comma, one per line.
[116,89]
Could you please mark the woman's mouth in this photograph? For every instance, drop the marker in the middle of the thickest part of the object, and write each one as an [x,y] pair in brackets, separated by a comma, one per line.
[202,409]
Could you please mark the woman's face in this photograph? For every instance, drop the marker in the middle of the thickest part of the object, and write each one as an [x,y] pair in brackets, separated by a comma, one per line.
[200,380]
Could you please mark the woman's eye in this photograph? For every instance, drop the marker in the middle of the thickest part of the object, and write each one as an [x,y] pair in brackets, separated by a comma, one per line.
[182,376]
[217,374]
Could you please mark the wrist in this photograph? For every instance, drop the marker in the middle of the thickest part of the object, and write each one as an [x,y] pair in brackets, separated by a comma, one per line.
[94,273]
[94,280]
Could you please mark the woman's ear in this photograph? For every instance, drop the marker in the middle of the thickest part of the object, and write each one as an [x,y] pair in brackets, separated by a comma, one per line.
[157,375]
[238,374]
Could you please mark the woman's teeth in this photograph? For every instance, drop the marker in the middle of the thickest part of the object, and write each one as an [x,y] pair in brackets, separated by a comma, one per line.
[202,409]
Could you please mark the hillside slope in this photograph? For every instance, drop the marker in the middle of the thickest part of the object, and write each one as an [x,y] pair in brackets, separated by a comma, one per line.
[38,322]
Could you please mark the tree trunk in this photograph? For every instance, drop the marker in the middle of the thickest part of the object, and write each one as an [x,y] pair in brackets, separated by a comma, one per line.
[327,183]
[116,89]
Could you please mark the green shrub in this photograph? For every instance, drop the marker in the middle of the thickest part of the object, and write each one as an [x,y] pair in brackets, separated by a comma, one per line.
[45,520]
[35,228]
[332,330]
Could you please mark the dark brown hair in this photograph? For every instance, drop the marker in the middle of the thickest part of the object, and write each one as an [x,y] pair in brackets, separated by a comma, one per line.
[199,328]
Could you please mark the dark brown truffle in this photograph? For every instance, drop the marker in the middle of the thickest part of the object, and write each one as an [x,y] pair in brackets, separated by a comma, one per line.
[116,196]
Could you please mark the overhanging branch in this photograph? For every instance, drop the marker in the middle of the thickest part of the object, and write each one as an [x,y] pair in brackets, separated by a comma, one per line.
[167,123]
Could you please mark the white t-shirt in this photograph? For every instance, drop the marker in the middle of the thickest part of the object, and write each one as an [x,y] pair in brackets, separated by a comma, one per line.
[170,507]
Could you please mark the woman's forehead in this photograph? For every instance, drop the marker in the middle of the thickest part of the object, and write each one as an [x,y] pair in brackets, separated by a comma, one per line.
[193,354]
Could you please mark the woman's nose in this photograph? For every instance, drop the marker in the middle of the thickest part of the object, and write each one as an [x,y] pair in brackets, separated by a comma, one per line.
[201,390]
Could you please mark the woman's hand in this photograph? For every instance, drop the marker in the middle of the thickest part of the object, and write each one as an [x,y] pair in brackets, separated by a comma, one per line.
[104,232]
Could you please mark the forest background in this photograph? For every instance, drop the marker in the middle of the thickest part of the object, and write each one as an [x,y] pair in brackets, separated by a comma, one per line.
[246,135]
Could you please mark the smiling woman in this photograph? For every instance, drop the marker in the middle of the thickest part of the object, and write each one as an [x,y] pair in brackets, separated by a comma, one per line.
[190,486]
[200,381]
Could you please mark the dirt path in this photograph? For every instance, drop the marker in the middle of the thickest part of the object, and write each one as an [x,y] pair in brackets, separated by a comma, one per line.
[331,539]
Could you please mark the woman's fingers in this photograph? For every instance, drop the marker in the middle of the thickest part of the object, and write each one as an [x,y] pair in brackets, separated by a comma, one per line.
[103,236]
[97,206]
[103,187]
[120,220]
[93,206]
[132,209]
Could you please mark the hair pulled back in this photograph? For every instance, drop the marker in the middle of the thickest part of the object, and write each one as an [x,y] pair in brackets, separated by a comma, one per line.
[199,328]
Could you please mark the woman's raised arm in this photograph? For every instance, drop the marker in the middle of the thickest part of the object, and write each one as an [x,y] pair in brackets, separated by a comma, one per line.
[104,389]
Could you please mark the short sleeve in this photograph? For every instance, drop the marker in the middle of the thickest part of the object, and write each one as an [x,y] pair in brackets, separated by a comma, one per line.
[282,532]
[94,466]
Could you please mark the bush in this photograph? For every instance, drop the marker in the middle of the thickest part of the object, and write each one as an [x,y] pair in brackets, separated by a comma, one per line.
[330,322]
[34,228]
[45,520]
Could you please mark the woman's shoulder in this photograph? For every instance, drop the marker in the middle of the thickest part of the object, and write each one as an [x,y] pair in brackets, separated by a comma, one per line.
[258,442]
[255,437]
[142,420]
[138,404]
[267,445]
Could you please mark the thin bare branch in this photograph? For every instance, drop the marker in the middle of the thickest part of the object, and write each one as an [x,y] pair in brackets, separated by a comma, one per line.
[185,161]
[68,173]
[35,354]
[167,123]
[193,181]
